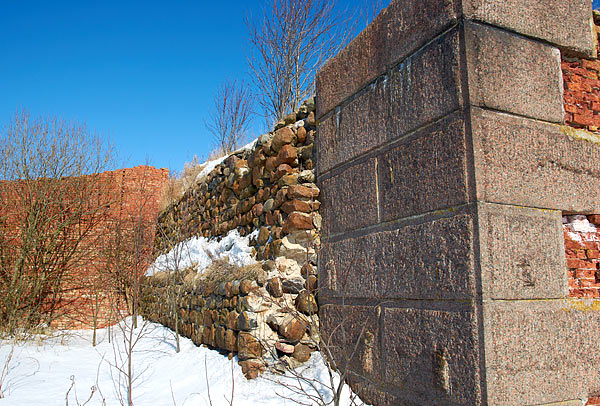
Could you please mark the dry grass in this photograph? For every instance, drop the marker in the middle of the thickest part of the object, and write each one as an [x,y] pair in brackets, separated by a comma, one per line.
[181,182]
[221,271]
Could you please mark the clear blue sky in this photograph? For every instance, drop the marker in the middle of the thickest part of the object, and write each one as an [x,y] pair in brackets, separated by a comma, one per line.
[142,72]
[596,3]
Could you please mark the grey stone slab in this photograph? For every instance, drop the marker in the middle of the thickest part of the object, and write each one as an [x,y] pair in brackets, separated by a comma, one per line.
[567,24]
[432,260]
[529,163]
[432,357]
[511,73]
[426,172]
[423,88]
[351,334]
[521,253]
[402,28]
[349,199]
[541,351]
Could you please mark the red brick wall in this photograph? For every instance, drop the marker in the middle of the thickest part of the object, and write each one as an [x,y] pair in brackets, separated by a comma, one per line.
[582,91]
[582,245]
[128,198]
[138,192]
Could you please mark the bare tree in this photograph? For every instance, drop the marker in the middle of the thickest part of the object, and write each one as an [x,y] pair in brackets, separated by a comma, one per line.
[229,122]
[291,42]
[49,188]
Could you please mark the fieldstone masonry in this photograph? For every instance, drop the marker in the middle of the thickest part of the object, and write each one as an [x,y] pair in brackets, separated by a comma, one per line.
[445,169]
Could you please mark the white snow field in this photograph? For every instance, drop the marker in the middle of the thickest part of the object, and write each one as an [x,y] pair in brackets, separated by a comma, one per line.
[40,373]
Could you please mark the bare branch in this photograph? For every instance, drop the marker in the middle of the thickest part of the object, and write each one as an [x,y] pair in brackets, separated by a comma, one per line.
[229,122]
[291,43]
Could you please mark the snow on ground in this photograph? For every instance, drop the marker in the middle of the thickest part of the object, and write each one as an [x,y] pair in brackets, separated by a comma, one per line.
[202,251]
[40,373]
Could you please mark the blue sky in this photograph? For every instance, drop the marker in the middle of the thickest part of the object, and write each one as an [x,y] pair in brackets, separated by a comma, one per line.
[142,72]
[596,3]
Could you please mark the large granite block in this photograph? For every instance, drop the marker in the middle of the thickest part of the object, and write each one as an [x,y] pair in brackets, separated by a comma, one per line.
[508,72]
[349,199]
[530,163]
[423,88]
[426,172]
[522,253]
[431,357]
[351,334]
[402,28]
[541,351]
[568,24]
[431,260]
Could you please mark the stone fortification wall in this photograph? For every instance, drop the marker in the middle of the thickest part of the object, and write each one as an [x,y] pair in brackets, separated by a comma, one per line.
[265,313]
[445,168]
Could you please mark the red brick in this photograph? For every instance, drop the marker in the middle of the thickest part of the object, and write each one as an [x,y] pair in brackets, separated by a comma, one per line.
[586,64]
[589,283]
[594,219]
[586,97]
[569,117]
[571,244]
[583,120]
[594,401]
[585,273]
[570,108]
[576,293]
[579,264]
[593,254]
[579,86]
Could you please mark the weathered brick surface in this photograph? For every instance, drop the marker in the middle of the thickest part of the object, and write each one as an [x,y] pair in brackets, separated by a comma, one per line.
[582,250]
[503,77]
[124,200]
[582,89]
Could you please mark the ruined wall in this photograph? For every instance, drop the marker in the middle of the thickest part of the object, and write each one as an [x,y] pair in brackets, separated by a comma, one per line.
[266,313]
[130,203]
[445,169]
[582,88]
[582,245]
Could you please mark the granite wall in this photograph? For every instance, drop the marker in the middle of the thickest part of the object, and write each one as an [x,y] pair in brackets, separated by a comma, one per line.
[445,168]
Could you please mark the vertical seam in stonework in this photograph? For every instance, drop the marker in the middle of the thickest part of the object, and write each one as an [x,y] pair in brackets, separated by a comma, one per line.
[378,200]
[472,196]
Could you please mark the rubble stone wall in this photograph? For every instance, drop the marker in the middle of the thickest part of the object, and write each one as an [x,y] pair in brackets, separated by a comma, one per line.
[265,313]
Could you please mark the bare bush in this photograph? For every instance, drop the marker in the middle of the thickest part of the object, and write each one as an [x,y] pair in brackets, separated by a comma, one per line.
[49,205]
[229,122]
[291,42]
